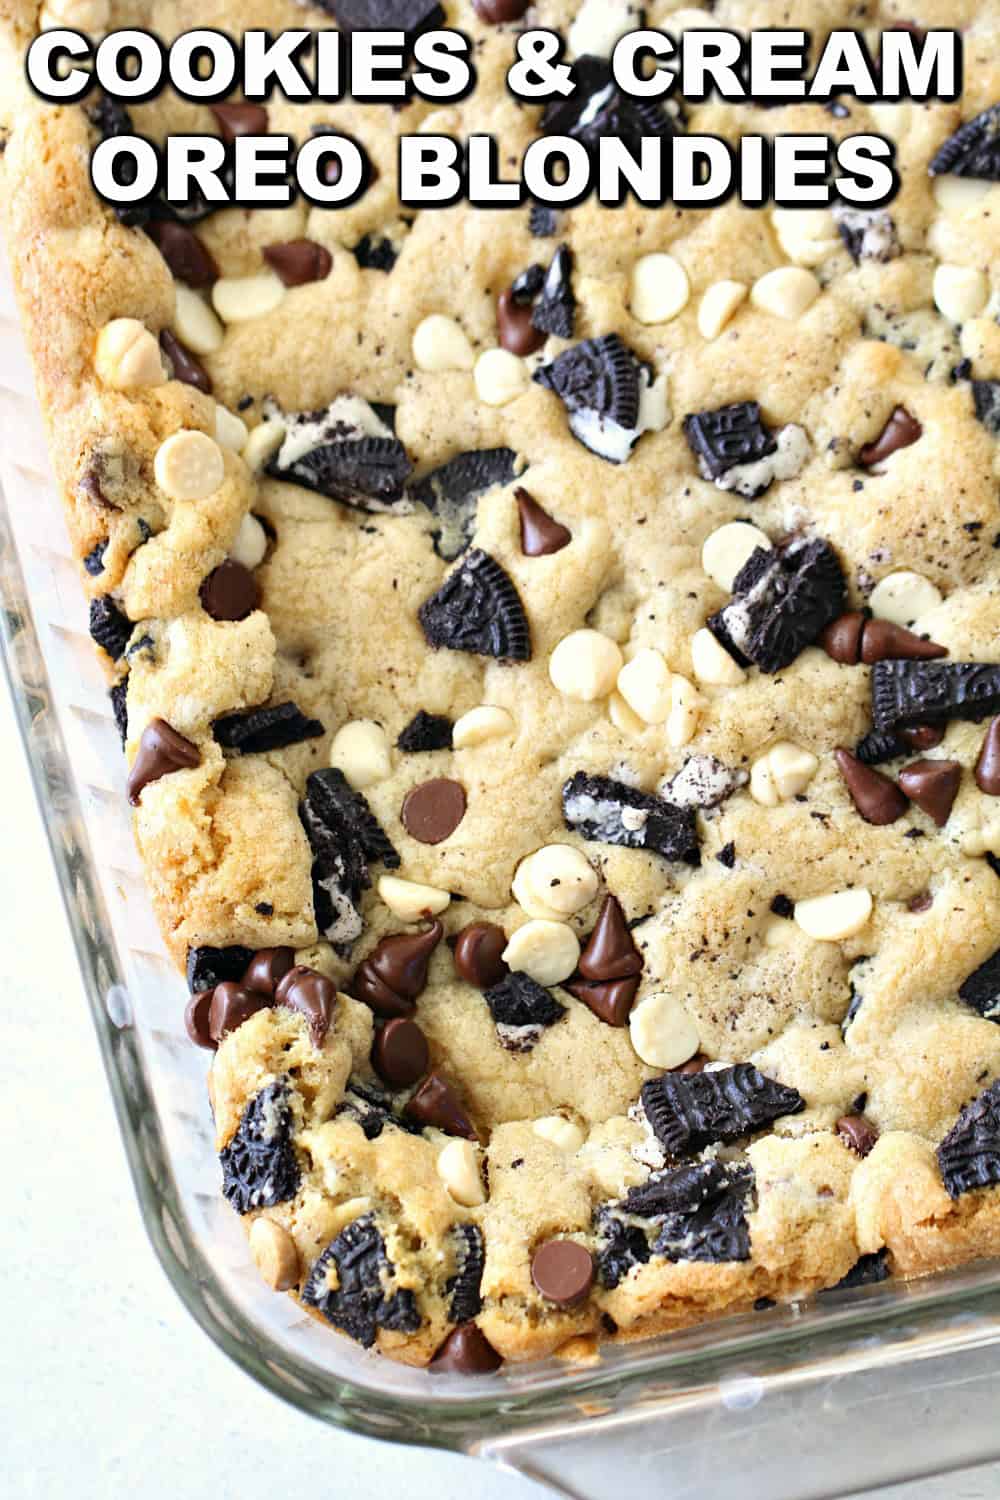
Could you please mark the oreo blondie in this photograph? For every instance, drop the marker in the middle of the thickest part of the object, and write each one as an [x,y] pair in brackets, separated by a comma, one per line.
[557,659]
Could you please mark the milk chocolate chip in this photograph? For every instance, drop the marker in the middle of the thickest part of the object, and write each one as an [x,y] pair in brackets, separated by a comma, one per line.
[230,592]
[230,1006]
[299,261]
[988,763]
[400,1054]
[899,432]
[563,1271]
[466,1351]
[933,786]
[240,119]
[395,972]
[312,995]
[436,1103]
[267,967]
[161,751]
[541,535]
[183,252]
[478,950]
[515,330]
[433,810]
[877,798]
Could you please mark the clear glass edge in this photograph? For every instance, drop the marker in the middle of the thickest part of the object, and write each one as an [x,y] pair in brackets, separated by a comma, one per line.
[883,1325]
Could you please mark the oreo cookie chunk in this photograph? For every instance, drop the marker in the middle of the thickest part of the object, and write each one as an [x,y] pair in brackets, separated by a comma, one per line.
[207,967]
[451,493]
[256,730]
[465,1298]
[425,732]
[700,1211]
[621,1246]
[375,253]
[478,609]
[259,1168]
[981,990]
[345,837]
[867,1270]
[521,1010]
[543,221]
[94,560]
[411,17]
[346,452]
[909,693]
[555,310]
[986,399]
[867,233]
[610,396]
[606,811]
[597,108]
[782,600]
[687,1112]
[969,1155]
[110,627]
[119,707]
[974,149]
[736,451]
[358,1300]
[877,747]
[373,1110]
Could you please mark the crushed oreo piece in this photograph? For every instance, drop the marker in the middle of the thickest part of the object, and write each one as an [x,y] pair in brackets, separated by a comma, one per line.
[601,383]
[689,1111]
[542,221]
[907,693]
[866,1271]
[702,782]
[256,730]
[621,1247]
[969,1155]
[986,399]
[259,1168]
[597,108]
[368,473]
[345,837]
[207,967]
[373,1110]
[876,747]
[425,732]
[94,560]
[981,990]
[528,283]
[782,600]
[867,233]
[974,149]
[451,493]
[727,436]
[375,252]
[119,707]
[702,1212]
[522,1008]
[411,17]
[466,1301]
[110,627]
[727,855]
[606,811]
[478,609]
[555,310]
[360,1304]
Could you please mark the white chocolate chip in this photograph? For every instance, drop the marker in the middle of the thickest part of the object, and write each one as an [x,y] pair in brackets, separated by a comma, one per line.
[955,195]
[230,430]
[806,235]
[598,25]
[718,304]
[562,1133]
[622,716]
[238,299]
[585,665]
[832,918]
[960,292]
[500,377]
[458,1168]
[195,324]
[782,772]
[274,1254]
[480,725]
[439,343]
[728,548]
[903,597]
[263,442]
[787,292]
[662,1032]
[250,544]
[644,683]
[89,16]
[558,877]
[524,894]
[127,356]
[189,465]
[660,289]
[546,951]
[685,711]
[360,750]
[409,901]
[712,663]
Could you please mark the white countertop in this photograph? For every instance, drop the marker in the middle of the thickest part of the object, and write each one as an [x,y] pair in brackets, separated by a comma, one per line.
[107,1387]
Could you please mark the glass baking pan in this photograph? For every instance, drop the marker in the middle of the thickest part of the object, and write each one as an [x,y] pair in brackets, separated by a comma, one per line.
[819,1398]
